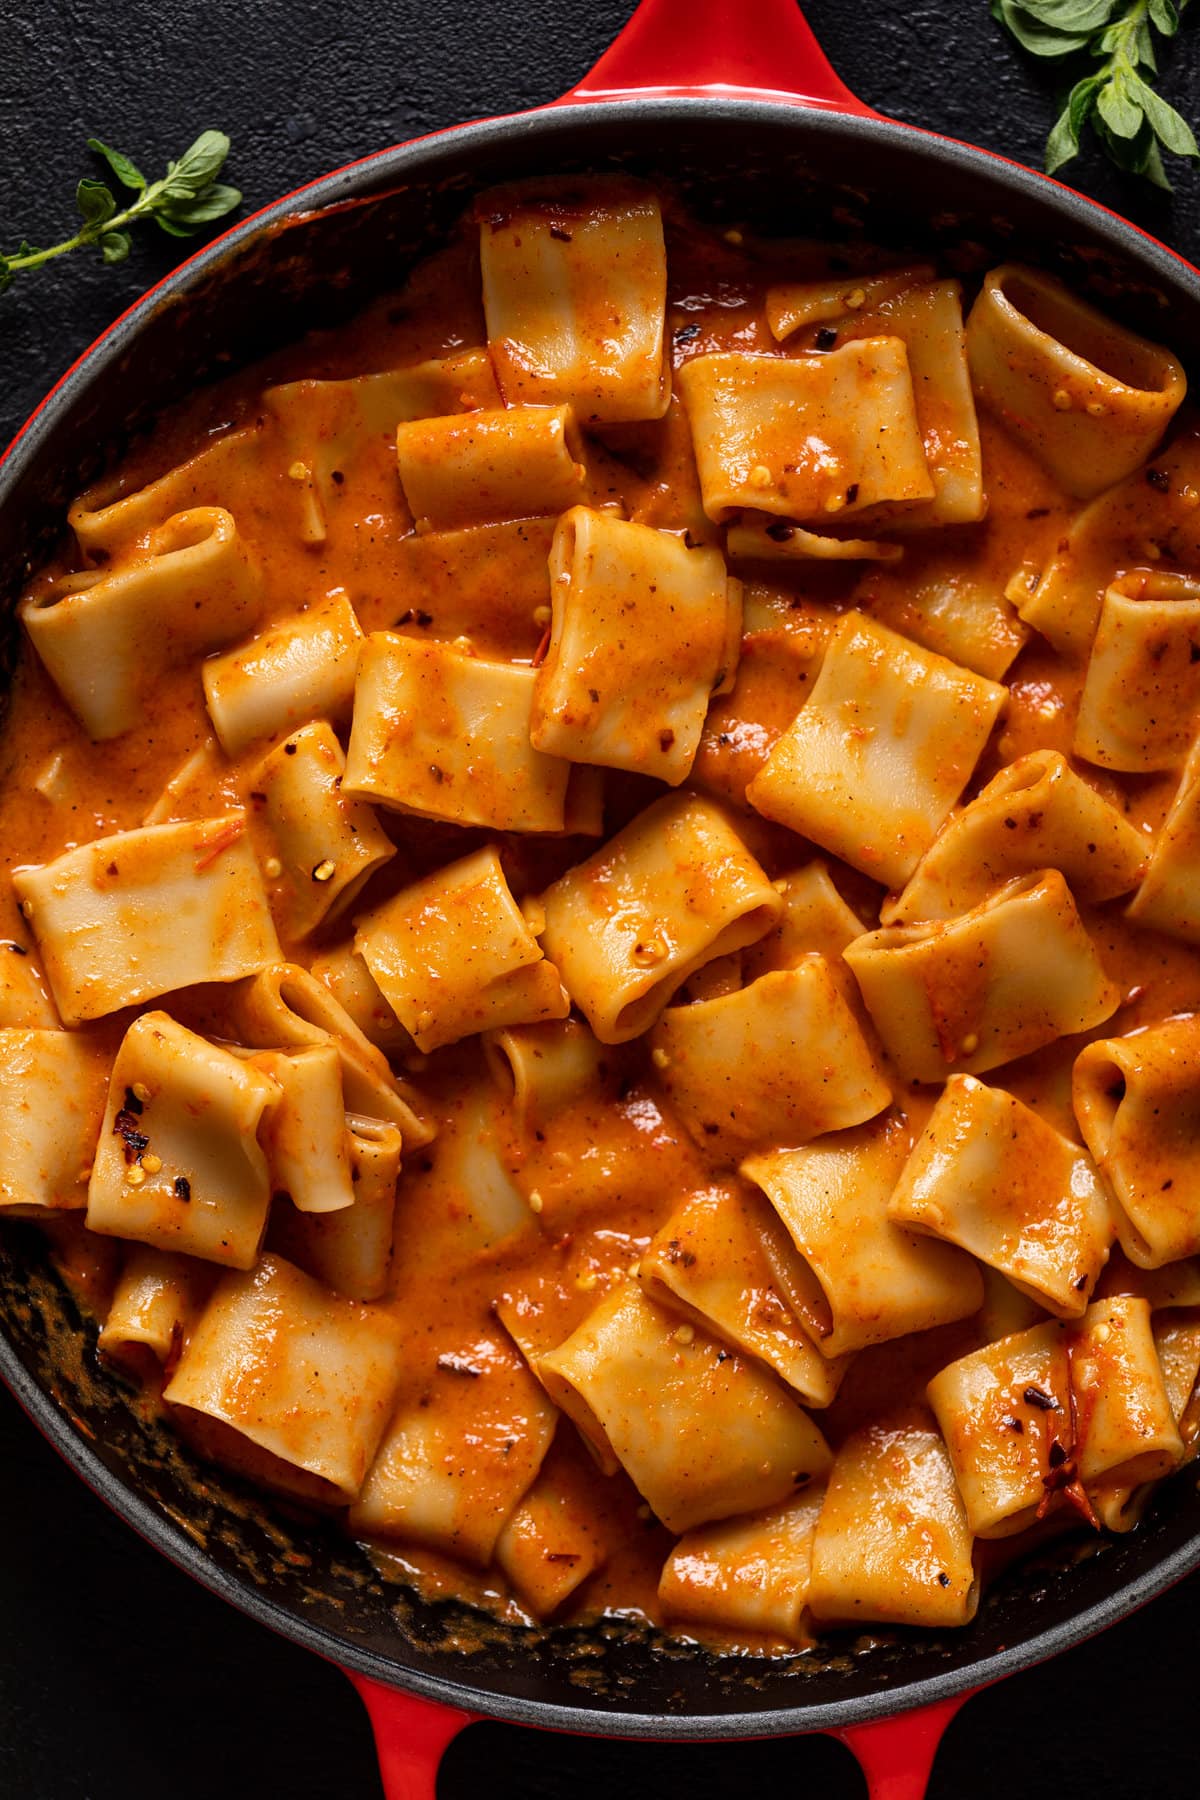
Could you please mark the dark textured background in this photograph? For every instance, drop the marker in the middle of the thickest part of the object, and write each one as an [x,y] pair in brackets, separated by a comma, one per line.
[118,1676]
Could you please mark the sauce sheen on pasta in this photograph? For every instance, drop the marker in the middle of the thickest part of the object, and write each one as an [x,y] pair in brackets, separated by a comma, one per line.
[602,976]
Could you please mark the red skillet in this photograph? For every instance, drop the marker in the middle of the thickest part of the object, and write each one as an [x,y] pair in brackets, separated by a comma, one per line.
[733,101]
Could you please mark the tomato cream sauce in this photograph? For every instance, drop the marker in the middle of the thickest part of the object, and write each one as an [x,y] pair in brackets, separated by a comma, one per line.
[575,1205]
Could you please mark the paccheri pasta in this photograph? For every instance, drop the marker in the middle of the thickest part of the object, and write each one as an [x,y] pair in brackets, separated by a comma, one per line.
[603,923]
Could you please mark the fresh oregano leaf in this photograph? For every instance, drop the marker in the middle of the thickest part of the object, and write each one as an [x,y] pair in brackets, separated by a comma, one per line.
[1164,17]
[1116,95]
[1033,33]
[95,201]
[1119,110]
[115,246]
[184,200]
[214,203]
[1170,128]
[199,165]
[126,172]
[1072,15]
[1063,142]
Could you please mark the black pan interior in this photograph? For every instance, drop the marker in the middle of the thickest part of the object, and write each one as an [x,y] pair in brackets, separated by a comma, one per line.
[308,263]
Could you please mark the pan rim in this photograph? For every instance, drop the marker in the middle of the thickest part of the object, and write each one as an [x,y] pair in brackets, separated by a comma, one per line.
[344,184]
[156,1528]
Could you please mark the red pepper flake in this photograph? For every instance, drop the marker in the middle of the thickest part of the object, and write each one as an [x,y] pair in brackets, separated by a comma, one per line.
[539,655]
[1062,1475]
[563,237]
[125,1126]
[223,840]
[1036,1396]
[183,1188]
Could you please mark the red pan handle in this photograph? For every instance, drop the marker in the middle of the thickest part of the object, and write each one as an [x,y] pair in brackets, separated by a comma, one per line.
[896,1755]
[411,1737]
[746,48]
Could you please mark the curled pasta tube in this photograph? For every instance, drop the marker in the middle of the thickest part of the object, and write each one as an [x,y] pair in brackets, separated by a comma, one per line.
[540,1069]
[156,1303]
[1087,397]
[300,668]
[756,537]
[106,635]
[287,1008]
[1169,897]
[109,520]
[1036,813]
[1137,1100]
[1012,974]
[349,1250]
[1142,688]
[574,292]
[306,1376]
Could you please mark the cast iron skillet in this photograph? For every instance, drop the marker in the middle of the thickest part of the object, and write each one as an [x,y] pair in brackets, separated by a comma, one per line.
[746,116]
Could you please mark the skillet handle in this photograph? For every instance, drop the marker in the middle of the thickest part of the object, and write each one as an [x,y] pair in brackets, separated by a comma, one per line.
[411,1737]
[710,48]
[896,1755]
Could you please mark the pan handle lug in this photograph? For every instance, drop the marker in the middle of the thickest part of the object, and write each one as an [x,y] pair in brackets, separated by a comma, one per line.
[896,1755]
[713,48]
[411,1737]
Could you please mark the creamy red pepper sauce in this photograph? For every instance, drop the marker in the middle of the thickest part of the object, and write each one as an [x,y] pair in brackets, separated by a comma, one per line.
[607,1175]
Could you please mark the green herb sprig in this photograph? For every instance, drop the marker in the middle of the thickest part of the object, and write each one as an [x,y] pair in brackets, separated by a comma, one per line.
[1115,95]
[183,201]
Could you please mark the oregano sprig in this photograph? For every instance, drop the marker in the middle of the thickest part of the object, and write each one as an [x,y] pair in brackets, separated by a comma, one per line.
[1113,42]
[181,202]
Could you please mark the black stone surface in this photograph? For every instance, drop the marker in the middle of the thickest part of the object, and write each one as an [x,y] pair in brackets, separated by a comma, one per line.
[118,1676]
